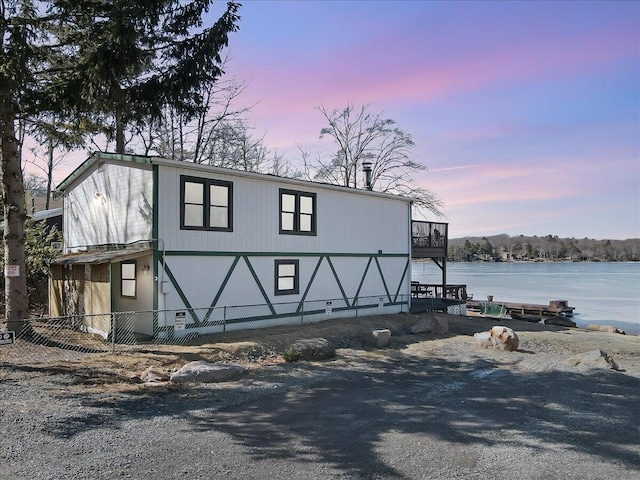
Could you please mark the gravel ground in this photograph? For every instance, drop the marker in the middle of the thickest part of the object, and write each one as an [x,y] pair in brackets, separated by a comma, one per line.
[428,406]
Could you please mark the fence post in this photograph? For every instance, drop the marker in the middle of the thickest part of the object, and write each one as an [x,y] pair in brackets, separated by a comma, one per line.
[113,332]
[302,314]
[224,319]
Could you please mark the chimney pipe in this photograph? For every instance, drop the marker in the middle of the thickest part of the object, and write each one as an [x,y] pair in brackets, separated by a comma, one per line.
[366,168]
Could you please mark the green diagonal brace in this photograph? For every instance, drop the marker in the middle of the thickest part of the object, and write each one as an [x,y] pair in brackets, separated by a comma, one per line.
[180,292]
[221,289]
[255,277]
[382,277]
[364,275]
[344,295]
[306,291]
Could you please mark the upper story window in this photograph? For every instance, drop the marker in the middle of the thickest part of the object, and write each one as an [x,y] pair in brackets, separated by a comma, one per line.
[206,204]
[297,212]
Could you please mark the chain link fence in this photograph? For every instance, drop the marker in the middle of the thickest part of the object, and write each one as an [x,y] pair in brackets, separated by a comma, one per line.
[43,340]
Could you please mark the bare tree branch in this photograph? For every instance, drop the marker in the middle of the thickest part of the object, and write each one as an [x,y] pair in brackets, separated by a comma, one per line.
[361,136]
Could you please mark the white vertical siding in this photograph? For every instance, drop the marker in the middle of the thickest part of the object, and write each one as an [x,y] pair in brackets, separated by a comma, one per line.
[201,279]
[112,205]
[346,222]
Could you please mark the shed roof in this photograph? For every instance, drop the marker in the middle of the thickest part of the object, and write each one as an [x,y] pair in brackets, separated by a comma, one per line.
[103,256]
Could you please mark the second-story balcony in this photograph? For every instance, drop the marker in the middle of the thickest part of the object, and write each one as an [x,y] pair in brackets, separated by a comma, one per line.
[429,239]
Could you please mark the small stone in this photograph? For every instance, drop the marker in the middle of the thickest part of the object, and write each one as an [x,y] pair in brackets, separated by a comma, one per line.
[377,338]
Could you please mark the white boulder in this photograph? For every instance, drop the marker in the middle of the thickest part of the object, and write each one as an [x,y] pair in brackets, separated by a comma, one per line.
[605,328]
[499,337]
[205,372]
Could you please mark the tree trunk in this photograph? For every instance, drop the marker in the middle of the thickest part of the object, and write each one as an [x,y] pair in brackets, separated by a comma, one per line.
[17,300]
[49,174]
[119,136]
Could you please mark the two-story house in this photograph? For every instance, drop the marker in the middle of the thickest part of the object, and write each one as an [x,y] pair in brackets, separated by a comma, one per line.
[216,248]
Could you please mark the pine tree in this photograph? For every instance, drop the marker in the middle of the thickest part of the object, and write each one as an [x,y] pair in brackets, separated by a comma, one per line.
[95,63]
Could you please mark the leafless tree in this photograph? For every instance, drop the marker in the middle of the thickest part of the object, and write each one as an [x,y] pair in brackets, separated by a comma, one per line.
[175,136]
[361,136]
[280,166]
[46,162]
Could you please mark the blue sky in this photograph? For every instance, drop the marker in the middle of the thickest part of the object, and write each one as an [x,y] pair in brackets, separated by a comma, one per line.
[526,114]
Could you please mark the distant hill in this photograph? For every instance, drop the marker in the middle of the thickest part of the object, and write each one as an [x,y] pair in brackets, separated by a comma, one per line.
[504,247]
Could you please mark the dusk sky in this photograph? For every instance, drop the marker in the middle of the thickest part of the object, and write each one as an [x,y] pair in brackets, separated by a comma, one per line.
[526,114]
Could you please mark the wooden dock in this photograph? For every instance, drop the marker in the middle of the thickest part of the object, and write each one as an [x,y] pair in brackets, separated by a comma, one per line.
[555,307]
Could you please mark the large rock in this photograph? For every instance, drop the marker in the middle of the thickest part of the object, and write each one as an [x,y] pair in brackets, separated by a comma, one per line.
[430,324]
[499,337]
[605,328]
[205,372]
[594,358]
[560,321]
[377,338]
[311,349]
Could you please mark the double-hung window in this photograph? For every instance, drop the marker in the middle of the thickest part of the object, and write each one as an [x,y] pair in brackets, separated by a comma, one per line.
[206,204]
[297,212]
[287,277]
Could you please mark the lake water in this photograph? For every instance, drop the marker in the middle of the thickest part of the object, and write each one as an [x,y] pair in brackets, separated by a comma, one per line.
[601,292]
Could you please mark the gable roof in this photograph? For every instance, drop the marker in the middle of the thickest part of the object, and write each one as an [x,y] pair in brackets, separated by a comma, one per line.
[97,157]
[94,159]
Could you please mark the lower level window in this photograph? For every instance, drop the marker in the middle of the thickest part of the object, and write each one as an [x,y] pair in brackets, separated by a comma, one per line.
[287,277]
[128,279]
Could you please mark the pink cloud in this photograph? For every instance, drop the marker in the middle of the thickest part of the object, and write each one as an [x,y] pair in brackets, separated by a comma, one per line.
[540,181]
[406,72]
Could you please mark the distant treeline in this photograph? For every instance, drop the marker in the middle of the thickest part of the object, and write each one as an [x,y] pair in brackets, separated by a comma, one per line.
[547,248]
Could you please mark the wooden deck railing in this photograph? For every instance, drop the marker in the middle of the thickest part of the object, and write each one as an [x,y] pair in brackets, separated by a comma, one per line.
[429,239]
[428,290]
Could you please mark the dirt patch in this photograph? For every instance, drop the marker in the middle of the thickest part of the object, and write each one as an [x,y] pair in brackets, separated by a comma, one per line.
[542,347]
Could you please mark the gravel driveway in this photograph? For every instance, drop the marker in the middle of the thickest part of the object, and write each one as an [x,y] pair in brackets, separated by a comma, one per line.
[427,407]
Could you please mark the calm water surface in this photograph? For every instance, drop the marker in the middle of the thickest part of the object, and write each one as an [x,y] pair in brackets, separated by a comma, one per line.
[604,293]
